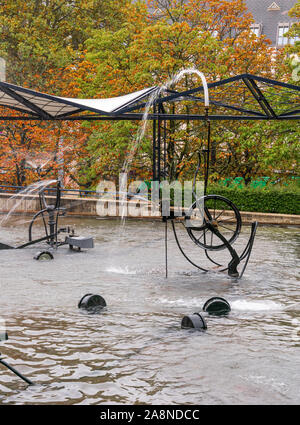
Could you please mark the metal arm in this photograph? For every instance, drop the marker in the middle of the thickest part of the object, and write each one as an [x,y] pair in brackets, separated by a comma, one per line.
[16,372]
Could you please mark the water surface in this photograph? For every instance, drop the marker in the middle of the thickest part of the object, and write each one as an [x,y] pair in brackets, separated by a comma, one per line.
[135,351]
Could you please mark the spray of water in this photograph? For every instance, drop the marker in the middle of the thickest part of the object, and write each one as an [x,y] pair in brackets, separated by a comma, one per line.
[250,305]
[20,196]
[141,132]
[37,165]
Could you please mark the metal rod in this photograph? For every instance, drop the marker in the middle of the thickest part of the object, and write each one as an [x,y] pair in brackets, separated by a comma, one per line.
[44,221]
[166,247]
[32,221]
[182,251]
[32,106]
[248,249]
[16,372]
[159,146]
[36,241]
[207,154]
[259,97]
[154,176]
[165,149]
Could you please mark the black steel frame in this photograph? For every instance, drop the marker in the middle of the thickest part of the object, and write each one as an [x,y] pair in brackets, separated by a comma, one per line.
[251,83]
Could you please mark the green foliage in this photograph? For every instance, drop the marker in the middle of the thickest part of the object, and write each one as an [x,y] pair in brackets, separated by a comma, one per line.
[147,51]
[39,35]
[273,198]
[256,149]
[279,200]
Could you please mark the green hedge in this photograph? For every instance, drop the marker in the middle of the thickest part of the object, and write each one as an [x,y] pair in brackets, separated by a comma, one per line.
[268,200]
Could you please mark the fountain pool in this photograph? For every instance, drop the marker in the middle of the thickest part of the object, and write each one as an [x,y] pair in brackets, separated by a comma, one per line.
[135,350]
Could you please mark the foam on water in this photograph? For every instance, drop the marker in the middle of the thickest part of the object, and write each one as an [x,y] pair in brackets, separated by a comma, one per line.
[241,305]
[245,305]
[195,302]
[120,270]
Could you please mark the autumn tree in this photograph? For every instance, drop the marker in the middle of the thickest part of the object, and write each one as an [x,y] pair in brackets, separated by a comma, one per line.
[103,49]
[39,35]
[270,148]
[42,42]
[150,48]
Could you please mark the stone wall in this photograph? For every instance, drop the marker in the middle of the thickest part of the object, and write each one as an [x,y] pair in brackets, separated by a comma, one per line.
[83,207]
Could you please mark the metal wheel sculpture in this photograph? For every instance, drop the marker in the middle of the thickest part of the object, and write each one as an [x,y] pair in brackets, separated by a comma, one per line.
[50,212]
[212,236]
[217,211]
[213,222]
[53,211]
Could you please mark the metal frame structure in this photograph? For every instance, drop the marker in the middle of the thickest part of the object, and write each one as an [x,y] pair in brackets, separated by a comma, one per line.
[264,96]
[242,97]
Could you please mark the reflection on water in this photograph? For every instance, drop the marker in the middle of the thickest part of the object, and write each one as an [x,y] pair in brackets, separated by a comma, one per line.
[135,351]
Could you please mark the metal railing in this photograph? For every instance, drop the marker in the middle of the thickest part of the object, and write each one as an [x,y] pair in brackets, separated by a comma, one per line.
[52,191]
[81,193]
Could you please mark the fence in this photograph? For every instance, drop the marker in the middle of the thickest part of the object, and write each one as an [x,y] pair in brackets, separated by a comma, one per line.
[52,190]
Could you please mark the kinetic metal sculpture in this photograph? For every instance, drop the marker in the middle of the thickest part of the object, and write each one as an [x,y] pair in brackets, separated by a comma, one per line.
[51,228]
[207,219]
[243,97]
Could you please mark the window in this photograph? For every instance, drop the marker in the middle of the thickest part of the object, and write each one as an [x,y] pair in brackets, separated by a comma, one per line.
[256,29]
[293,40]
[282,40]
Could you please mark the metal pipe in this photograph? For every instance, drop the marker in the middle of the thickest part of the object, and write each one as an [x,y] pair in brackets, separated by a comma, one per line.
[16,372]
[32,221]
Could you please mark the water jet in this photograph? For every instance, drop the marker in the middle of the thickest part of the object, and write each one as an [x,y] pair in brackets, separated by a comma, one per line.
[51,227]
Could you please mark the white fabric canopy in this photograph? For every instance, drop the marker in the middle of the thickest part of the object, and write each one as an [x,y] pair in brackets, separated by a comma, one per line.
[263,98]
[48,106]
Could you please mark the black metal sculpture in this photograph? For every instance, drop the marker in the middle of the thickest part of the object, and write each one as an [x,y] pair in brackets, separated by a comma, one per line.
[52,230]
[206,223]
[209,236]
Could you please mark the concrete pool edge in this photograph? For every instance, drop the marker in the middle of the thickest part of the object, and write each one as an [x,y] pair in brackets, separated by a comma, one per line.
[80,207]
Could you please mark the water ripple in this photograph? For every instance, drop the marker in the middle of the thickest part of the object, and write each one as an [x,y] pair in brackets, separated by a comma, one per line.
[135,351]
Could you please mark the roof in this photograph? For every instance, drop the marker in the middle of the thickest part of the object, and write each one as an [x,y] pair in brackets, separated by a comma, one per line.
[242,97]
[48,106]
[269,17]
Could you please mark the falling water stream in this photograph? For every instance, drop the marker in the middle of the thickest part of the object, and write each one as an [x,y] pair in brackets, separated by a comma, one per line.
[152,98]
[143,127]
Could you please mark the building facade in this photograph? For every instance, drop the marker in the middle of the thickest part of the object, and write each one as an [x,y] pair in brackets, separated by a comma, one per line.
[272,19]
